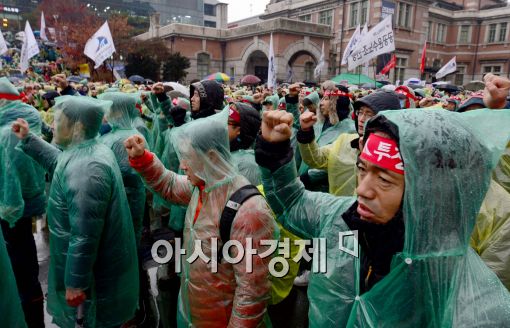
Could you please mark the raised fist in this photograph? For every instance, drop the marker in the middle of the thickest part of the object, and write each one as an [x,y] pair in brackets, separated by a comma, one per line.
[135,146]
[20,128]
[276,126]
[307,120]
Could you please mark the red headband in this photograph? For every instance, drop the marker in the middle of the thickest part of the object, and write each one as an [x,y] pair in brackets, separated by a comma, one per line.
[9,96]
[234,114]
[405,93]
[383,152]
[336,93]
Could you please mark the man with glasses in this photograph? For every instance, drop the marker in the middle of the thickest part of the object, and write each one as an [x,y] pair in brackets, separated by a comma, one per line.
[339,158]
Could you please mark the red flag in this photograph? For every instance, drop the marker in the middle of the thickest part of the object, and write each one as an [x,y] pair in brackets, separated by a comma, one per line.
[391,64]
[423,58]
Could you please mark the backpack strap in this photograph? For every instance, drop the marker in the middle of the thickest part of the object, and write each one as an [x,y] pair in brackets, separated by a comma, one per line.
[229,212]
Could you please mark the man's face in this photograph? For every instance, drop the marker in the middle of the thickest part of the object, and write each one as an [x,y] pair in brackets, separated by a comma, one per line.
[234,130]
[62,131]
[380,191]
[325,106]
[268,107]
[364,114]
[195,101]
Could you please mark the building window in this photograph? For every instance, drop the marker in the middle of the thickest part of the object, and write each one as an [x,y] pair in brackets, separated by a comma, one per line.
[305,18]
[400,69]
[464,34]
[326,17]
[209,24]
[459,75]
[358,14]
[494,69]
[502,32]
[429,31]
[203,62]
[492,32]
[209,10]
[309,69]
[436,64]
[404,15]
[441,33]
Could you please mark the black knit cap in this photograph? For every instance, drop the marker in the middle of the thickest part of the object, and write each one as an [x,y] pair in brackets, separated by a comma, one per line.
[250,126]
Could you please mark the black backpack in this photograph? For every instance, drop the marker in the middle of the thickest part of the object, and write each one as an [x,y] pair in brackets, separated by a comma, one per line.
[229,212]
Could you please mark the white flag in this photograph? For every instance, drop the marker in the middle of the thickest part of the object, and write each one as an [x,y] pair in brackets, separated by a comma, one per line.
[42,33]
[29,48]
[100,46]
[3,44]
[321,64]
[379,40]
[290,73]
[364,33]
[353,42]
[271,73]
[449,68]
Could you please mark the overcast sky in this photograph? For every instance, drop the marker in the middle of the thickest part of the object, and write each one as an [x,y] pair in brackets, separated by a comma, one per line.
[240,9]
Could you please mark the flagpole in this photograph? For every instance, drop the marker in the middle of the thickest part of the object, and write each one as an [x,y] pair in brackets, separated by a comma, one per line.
[374,66]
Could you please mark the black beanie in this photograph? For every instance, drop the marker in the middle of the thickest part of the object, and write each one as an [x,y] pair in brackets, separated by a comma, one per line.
[178,115]
[250,127]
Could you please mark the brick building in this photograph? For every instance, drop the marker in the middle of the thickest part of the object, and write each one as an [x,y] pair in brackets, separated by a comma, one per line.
[476,31]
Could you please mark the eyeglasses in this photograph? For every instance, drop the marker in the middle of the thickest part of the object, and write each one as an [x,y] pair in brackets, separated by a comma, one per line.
[365,113]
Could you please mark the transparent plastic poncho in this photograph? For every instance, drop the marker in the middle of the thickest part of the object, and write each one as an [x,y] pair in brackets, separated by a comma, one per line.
[231,296]
[122,116]
[92,240]
[20,176]
[437,280]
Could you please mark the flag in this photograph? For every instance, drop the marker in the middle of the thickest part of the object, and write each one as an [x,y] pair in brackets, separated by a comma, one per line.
[379,40]
[42,33]
[391,64]
[100,46]
[320,65]
[364,32]
[449,68]
[29,48]
[423,58]
[3,44]
[271,73]
[353,42]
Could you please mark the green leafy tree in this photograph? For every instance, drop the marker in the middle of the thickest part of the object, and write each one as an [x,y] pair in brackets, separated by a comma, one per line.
[145,59]
[175,67]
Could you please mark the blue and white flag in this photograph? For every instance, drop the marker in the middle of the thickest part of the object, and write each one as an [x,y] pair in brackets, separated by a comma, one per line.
[100,46]
[353,42]
[449,68]
[320,65]
[42,32]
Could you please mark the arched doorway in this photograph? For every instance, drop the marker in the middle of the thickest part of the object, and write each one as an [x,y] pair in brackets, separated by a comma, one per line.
[301,67]
[257,64]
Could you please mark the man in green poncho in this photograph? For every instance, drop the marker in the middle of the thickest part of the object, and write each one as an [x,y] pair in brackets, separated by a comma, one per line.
[92,240]
[397,254]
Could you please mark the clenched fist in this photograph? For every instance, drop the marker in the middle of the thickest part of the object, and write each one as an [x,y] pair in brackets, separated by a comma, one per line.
[135,146]
[276,126]
[20,128]
[496,91]
[307,120]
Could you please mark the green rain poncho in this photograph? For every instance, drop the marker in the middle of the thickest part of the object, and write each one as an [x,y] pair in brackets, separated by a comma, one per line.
[22,183]
[231,297]
[121,116]
[438,280]
[92,241]
[10,304]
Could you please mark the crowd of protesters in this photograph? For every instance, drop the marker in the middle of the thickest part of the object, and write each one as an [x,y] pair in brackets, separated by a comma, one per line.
[389,205]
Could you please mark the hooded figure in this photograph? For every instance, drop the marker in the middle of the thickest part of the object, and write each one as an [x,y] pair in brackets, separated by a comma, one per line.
[243,126]
[210,95]
[339,158]
[22,196]
[121,116]
[336,105]
[232,296]
[92,240]
[407,97]
[437,280]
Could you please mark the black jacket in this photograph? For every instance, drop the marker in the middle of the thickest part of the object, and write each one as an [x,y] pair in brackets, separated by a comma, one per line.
[211,98]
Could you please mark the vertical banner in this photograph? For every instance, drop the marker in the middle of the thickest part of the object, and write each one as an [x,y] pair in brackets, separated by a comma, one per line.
[388,8]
